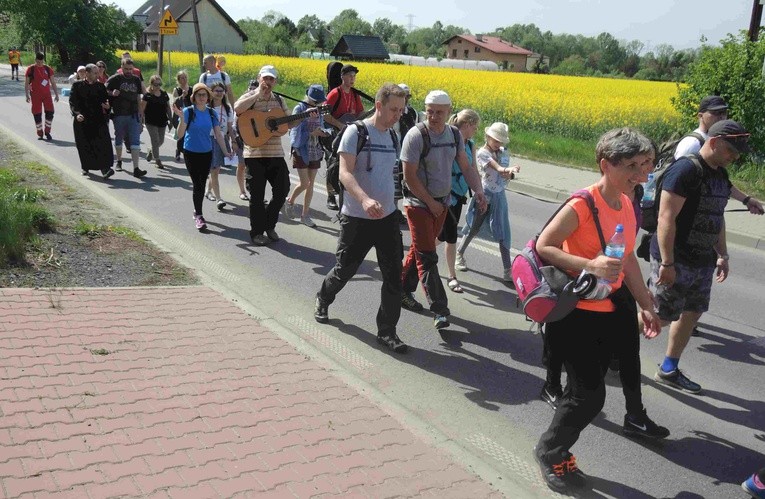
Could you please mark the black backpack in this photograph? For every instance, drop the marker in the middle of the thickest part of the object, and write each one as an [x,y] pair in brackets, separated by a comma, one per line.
[333,163]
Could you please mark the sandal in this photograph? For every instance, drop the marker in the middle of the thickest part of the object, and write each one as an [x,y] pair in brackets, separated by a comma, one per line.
[244,197]
[454,285]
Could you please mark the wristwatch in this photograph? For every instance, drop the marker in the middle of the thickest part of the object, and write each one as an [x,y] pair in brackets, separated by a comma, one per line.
[725,257]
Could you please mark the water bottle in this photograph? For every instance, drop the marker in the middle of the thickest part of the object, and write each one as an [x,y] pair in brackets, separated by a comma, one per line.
[504,158]
[615,246]
[649,192]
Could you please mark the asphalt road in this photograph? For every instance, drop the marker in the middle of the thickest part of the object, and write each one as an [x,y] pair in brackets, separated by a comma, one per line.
[476,385]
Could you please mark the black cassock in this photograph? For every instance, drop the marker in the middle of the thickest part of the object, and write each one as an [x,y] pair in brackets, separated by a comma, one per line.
[91,136]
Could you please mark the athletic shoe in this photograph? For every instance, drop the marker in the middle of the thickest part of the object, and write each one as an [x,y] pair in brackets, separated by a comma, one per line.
[331,203]
[640,425]
[393,342]
[48,137]
[408,302]
[108,173]
[199,222]
[221,204]
[754,486]
[177,157]
[85,173]
[575,477]
[306,220]
[441,322]
[676,379]
[272,235]
[209,195]
[460,263]
[552,395]
[260,240]
[288,210]
[138,173]
[118,166]
[160,165]
[554,474]
[320,312]
[149,156]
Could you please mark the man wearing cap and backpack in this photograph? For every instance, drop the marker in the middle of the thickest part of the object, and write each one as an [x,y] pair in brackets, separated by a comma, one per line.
[212,74]
[428,182]
[689,245]
[345,106]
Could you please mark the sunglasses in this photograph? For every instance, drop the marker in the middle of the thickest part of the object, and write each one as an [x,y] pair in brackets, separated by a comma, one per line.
[219,91]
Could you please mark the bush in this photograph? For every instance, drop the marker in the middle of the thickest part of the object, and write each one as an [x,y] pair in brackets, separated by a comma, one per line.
[21,219]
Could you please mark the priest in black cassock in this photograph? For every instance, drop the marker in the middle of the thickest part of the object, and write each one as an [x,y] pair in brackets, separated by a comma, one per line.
[89,104]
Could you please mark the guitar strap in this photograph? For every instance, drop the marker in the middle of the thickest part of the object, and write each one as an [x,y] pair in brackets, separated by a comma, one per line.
[291,98]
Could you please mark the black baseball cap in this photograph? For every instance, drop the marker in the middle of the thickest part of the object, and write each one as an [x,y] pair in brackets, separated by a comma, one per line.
[732,133]
[712,103]
[349,68]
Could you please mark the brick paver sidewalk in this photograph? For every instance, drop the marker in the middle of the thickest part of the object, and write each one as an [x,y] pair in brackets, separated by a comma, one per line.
[176,392]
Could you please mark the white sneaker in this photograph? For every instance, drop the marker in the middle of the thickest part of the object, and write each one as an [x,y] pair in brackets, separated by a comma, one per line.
[460,263]
[306,220]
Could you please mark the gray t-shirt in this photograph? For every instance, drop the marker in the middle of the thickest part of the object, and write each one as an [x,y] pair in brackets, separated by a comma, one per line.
[374,169]
[435,171]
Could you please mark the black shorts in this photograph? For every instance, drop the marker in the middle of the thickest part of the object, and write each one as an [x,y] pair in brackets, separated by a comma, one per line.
[449,230]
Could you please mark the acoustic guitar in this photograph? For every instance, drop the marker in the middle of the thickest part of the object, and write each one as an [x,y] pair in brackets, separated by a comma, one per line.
[256,127]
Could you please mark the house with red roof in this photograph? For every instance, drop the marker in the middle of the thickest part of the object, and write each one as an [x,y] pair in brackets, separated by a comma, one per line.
[507,55]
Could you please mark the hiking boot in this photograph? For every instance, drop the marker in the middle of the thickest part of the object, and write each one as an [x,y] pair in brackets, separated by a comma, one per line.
[260,240]
[393,342]
[199,222]
[332,203]
[640,425]
[221,204]
[306,220]
[149,156]
[272,235]
[108,173]
[320,312]
[754,487]
[552,395]
[118,166]
[138,173]
[677,380]
[441,322]
[460,263]
[554,475]
[408,302]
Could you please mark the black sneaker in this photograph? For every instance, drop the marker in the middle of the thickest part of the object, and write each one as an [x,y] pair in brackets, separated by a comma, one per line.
[320,312]
[272,235]
[441,321]
[640,425]
[138,173]
[677,380]
[108,173]
[48,136]
[554,475]
[118,166]
[149,156]
[331,203]
[408,302]
[393,342]
[574,476]
[551,395]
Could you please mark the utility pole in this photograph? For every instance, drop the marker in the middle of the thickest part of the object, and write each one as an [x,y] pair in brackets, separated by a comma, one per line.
[196,31]
[161,48]
[754,25]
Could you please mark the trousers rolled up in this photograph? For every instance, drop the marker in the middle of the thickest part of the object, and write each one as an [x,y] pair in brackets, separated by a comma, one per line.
[421,262]
[357,237]
[259,172]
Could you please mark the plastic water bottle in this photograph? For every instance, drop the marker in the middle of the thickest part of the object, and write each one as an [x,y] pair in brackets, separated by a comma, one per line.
[649,192]
[615,246]
[504,157]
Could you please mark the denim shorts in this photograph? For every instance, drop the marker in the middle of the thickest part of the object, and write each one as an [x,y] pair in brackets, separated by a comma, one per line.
[130,126]
[689,293]
[218,158]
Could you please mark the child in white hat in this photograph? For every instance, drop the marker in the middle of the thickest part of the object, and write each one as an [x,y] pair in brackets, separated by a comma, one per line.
[494,166]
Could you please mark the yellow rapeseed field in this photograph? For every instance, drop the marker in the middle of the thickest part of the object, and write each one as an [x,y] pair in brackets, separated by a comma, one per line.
[575,107]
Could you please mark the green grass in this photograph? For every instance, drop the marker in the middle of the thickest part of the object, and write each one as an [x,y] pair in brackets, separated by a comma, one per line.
[94,230]
[21,219]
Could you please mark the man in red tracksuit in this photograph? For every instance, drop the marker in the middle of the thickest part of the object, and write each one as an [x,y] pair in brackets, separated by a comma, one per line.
[38,81]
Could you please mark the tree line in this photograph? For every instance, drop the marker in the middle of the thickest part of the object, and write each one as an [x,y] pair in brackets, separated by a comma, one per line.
[565,54]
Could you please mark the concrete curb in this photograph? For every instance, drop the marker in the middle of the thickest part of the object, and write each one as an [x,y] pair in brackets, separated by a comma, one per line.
[556,195]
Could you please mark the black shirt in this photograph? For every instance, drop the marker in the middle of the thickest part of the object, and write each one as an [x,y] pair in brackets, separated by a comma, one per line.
[126,103]
[156,108]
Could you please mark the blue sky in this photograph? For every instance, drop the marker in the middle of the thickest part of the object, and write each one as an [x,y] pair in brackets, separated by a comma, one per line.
[679,23]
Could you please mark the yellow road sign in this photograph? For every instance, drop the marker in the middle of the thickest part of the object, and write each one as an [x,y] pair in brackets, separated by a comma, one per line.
[168,25]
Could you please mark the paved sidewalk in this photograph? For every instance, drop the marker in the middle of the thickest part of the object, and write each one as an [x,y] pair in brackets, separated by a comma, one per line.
[176,392]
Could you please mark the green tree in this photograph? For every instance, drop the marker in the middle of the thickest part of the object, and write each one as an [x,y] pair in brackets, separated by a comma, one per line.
[573,65]
[347,22]
[80,31]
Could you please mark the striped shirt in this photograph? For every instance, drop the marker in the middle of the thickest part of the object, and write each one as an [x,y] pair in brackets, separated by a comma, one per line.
[273,147]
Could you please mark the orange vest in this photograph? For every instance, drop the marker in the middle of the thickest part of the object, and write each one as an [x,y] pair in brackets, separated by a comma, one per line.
[14,56]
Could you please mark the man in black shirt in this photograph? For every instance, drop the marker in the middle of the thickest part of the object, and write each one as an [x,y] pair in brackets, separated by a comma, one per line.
[125,92]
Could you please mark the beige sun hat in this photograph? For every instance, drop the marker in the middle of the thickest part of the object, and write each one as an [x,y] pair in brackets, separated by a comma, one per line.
[498,131]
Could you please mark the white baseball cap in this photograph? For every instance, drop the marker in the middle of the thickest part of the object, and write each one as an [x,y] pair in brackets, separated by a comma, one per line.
[268,71]
[438,97]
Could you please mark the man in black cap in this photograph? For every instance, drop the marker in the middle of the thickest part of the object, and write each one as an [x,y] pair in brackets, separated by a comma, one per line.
[689,246]
[345,106]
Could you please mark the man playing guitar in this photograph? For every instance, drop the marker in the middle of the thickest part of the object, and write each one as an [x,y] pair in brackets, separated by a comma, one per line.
[345,106]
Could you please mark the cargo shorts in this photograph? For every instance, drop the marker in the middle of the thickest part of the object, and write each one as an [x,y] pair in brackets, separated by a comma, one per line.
[689,293]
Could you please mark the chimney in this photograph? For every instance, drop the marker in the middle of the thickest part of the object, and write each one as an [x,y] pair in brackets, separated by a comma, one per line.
[479,37]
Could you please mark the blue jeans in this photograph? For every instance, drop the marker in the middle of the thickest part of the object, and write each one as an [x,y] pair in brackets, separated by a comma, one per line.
[130,126]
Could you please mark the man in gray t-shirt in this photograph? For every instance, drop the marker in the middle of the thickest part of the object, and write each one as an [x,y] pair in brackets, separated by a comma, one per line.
[429,182]
[369,217]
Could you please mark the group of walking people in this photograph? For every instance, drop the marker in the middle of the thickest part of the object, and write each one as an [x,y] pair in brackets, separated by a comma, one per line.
[440,171]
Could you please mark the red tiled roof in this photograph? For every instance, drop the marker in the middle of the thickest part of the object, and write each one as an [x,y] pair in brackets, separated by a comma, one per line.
[493,43]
